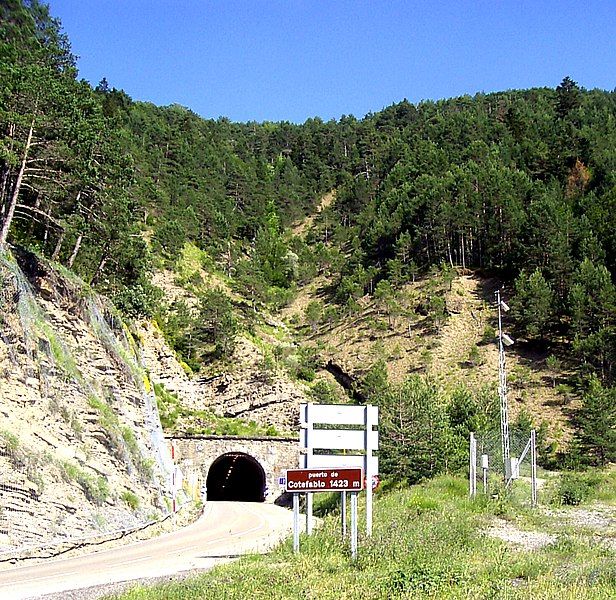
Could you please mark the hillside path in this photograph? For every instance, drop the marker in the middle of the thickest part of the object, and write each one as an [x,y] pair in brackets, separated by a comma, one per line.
[462,330]
[225,531]
[305,224]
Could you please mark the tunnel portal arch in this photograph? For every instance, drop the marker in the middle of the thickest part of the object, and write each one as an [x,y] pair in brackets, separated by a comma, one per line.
[236,476]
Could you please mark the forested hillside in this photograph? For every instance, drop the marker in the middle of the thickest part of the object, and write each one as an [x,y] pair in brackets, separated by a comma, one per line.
[519,185]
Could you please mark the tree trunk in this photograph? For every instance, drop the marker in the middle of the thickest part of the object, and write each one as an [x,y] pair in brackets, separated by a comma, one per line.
[37,206]
[71,260]
[8,218]
[449,253]
[101,266]
[4,179]
[58,248]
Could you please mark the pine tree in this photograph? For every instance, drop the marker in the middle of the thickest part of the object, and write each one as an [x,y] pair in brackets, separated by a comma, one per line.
[567,97]
[595,422]
[415,432]
[532,305]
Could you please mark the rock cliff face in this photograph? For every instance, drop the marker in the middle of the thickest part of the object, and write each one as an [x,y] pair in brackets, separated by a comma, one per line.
[245,390]
[81,448]
[240,388]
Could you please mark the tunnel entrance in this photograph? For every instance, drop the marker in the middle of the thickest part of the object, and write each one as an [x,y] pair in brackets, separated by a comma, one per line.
[236,476]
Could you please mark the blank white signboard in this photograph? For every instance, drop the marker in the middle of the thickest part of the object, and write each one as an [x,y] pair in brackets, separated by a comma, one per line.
[339,414]
[331,461]
[340,439]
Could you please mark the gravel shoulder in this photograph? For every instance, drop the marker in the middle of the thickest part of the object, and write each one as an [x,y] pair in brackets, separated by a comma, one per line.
[596,522]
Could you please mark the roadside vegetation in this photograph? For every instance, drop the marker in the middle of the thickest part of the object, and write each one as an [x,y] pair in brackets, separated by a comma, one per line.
[429,541]
[179,419]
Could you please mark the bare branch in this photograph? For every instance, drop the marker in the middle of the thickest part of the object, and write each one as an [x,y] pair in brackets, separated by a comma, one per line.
[41,213]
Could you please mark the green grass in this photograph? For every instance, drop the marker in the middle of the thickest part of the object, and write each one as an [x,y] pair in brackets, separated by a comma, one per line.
[188,265]
[95,488]
[132,500]
[427,543]
[60,354]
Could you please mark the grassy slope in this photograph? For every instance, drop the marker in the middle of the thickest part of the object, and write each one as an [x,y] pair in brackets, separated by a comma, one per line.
[193,274]
[411,344]
[429,542]
[457,352]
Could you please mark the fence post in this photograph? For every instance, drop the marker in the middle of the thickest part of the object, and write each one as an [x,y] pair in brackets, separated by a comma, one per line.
[533,467]
[472,471]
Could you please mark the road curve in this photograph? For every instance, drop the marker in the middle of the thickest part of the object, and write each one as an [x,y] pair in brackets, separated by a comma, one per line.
[226,529]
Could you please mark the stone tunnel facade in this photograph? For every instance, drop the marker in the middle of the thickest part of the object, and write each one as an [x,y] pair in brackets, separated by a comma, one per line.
[203,461]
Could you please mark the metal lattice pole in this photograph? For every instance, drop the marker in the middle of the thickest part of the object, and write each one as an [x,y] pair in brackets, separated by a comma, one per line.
[502,392]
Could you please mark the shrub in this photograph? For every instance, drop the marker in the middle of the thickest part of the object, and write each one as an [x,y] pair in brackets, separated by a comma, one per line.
[305,364]
[141,299]
[475,357]
[132,500]
[322,393]
[95,489]
[595,436]
[489,334]
[574,488]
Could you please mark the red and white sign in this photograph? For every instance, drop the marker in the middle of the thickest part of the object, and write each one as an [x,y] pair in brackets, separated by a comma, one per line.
[375,482]
[324,480]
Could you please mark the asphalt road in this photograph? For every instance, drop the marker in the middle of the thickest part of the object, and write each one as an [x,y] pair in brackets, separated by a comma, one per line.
[225,530]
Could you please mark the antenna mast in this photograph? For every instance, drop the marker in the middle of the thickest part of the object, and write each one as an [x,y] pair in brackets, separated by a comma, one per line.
[502,390]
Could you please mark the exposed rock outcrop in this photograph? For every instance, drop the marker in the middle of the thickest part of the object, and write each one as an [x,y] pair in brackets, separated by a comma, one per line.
[80,440]
[246,390]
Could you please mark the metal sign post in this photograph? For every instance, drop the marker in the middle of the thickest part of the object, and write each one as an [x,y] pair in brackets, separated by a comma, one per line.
[309,518]
[308,481]
[370,443]
[295,523]
[354,525]
[307,446]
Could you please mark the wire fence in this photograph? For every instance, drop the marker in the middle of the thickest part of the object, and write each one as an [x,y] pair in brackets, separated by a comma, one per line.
[43,510]
[490,469]
[41,513]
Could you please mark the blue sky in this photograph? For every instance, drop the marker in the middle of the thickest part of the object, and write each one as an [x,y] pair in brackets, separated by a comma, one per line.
[290,60]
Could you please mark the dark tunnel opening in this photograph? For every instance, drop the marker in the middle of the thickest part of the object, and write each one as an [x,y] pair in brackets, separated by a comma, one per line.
[236,476]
